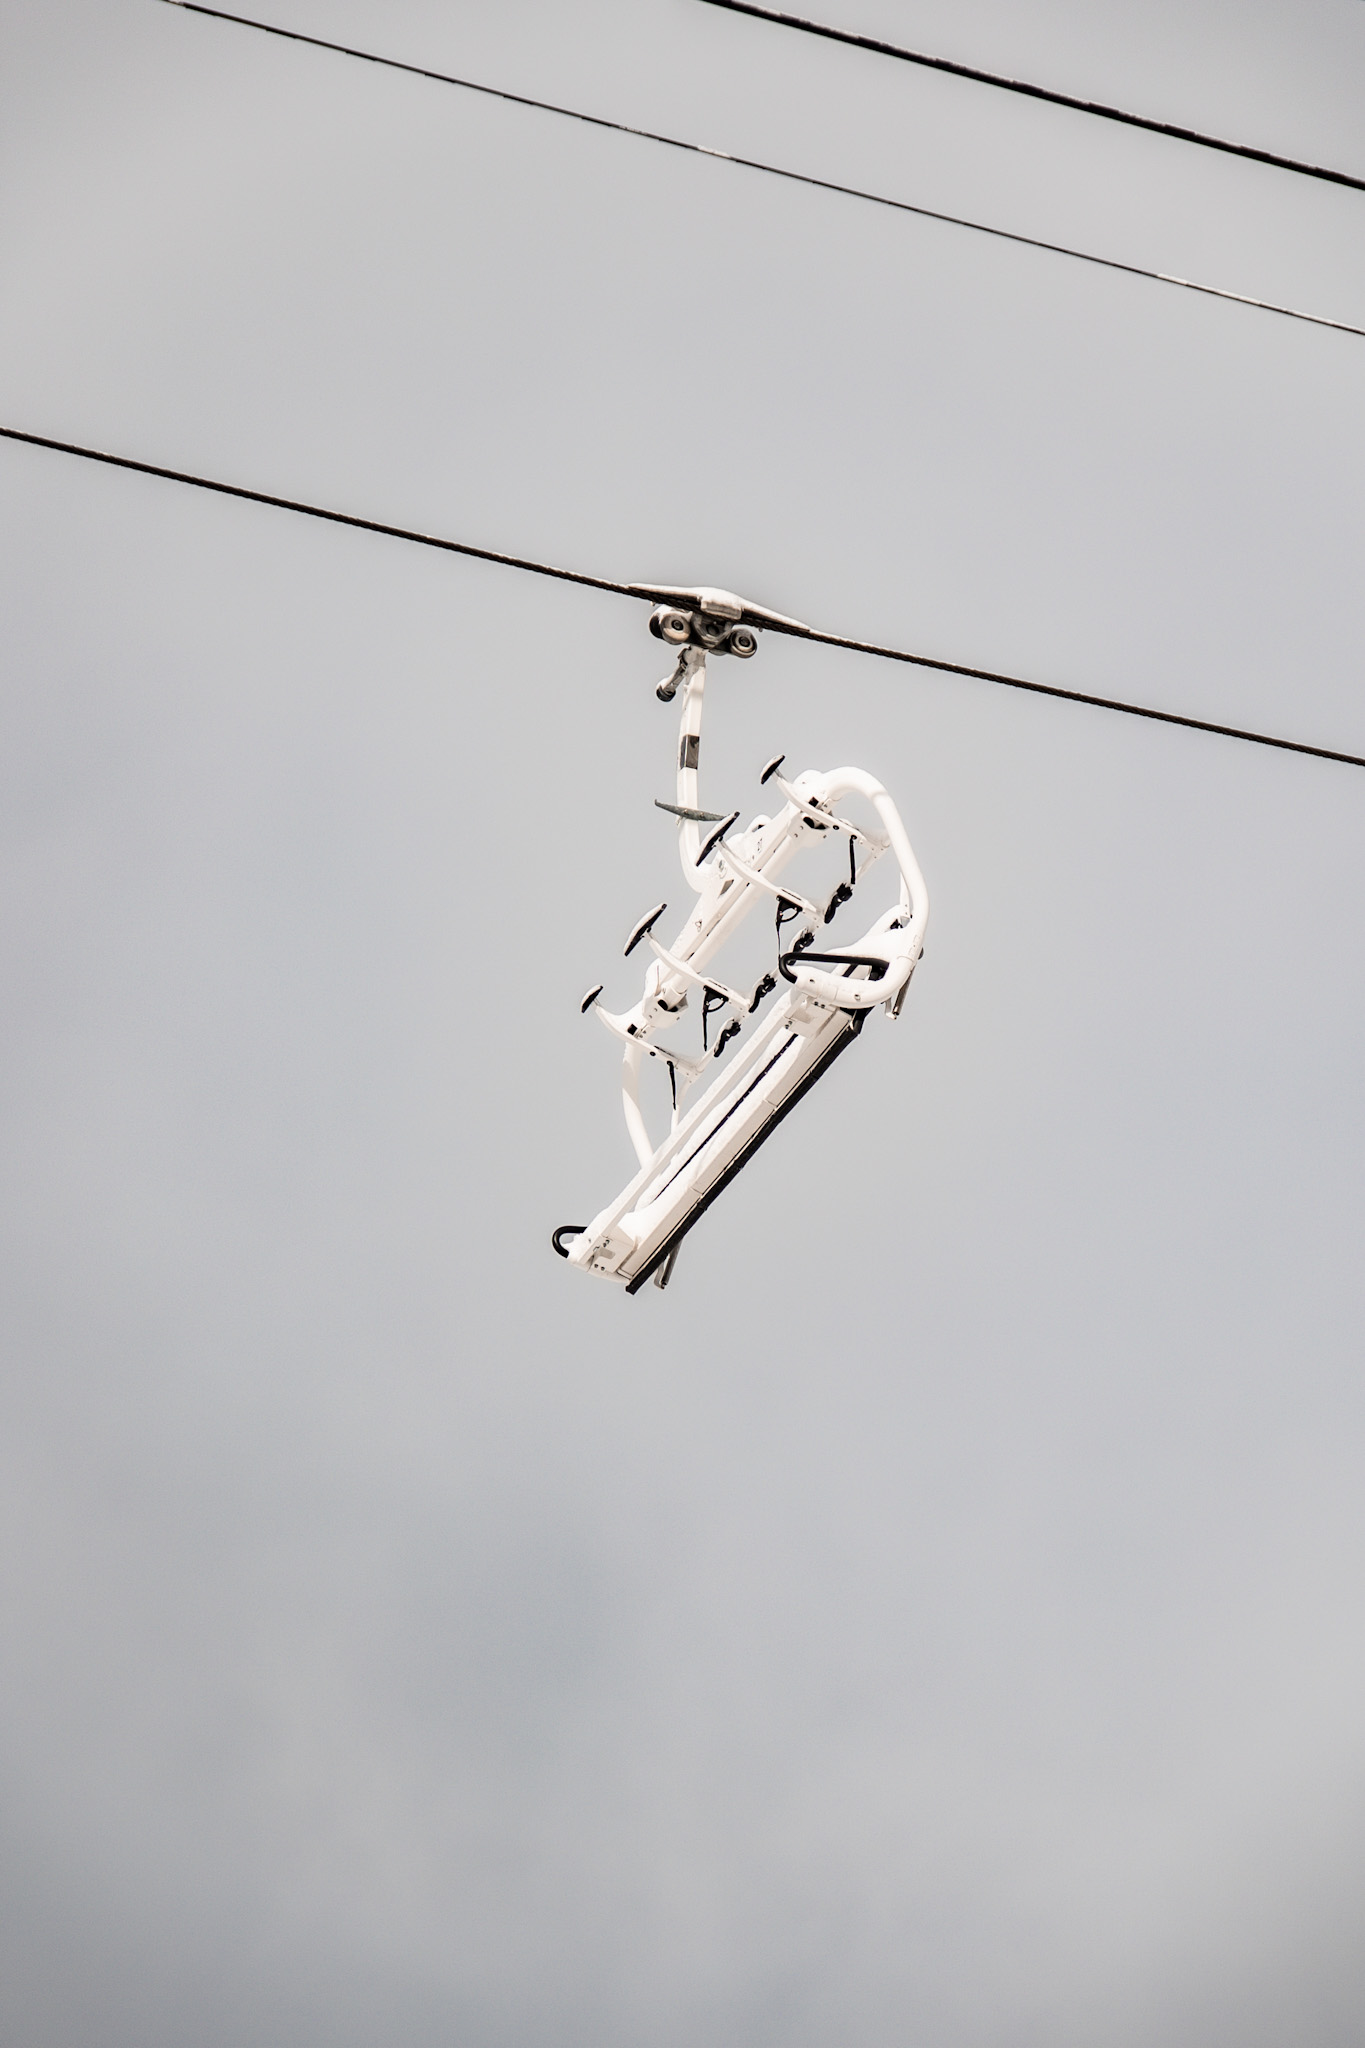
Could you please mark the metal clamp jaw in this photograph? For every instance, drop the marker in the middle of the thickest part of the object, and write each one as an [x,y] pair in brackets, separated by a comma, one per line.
[697,634]
[716,621]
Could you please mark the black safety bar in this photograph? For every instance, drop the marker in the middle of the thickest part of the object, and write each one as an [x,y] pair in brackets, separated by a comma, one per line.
[831,960]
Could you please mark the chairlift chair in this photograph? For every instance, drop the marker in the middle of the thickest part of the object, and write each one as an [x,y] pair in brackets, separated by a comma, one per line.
[820,996]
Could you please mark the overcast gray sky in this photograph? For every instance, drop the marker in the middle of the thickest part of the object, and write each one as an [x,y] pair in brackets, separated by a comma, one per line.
[937,1618]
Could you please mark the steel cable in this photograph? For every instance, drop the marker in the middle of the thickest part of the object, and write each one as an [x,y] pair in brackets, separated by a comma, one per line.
[649,591]
[746,163]
[1040,92]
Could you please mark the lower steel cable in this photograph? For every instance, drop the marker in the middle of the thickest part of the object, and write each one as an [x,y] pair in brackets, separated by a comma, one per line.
[648,593]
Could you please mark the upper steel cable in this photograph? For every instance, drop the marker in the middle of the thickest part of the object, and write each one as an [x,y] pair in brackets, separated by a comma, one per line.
[651,592]
[1040,92]
[517,99]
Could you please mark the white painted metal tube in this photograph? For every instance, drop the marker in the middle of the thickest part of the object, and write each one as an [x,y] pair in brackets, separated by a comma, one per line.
[630,1102]
[689,750]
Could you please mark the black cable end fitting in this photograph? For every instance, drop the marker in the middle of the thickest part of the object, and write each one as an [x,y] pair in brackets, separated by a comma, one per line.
[566,1230]
[841,895]
[801,944]
[712,999]
[668,689]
